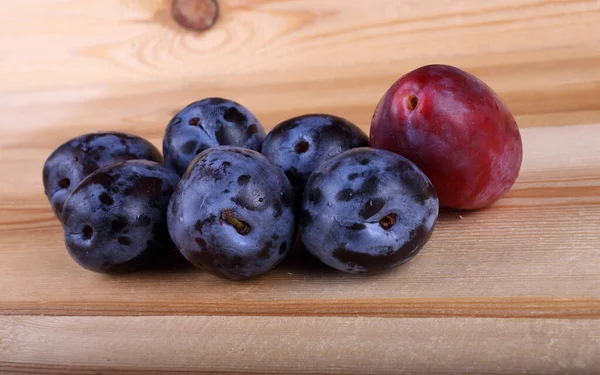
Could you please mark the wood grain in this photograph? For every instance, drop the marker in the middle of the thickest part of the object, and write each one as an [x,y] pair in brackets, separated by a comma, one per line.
[540,243]
[289,57]
[521,278]
[259,345]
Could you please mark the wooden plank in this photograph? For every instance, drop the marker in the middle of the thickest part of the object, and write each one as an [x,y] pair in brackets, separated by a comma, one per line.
[257,345]
[540,244]
[511,289]
[131,41]
[127,63]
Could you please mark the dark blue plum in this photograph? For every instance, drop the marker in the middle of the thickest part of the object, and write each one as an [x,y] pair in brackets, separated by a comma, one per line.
[299,145]
[116,218]
[367,210]
[209,123]
[77,158]
[232,214]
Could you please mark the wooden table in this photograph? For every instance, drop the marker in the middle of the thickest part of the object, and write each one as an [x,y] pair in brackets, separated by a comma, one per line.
[511,289]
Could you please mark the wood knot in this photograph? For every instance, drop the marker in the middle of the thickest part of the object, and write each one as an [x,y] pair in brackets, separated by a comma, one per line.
[197,15]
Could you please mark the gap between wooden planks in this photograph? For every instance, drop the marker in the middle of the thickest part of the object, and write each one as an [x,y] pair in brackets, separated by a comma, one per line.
[510,307]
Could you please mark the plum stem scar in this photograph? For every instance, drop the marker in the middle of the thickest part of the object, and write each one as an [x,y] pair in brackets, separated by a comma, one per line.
[240,226]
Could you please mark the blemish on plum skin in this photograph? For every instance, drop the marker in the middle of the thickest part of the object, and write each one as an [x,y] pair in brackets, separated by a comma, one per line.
[106,199]
[88,232]
[124,240]
[225,165]
[345,195]
[265,252]
[251,130]
[103,179]
[222,135]
[198,226]
[282,248]
[314,196]
[370,185]
[148,186]
[371,207]
[357,226]
[189,147]
[194,121]
[248,203]
[232,114]
[64,183]
[243,179]
[278,209]
[370,262]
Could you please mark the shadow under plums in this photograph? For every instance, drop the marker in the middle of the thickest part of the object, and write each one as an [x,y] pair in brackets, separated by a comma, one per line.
[167,264]
[299,260]
[298,263]
[171,261]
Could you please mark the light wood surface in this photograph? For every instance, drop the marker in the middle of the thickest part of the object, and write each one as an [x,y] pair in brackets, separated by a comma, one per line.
[511,289]
[267,345]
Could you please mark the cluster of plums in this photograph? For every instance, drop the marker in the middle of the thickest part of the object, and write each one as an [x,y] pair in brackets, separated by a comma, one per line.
[232,198]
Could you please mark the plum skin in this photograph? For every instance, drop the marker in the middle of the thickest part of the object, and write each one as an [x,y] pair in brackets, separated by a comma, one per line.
[206,123]
[367,210]
[300,144]
[75,159]
[456,129]
[115,220]
[228,182]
